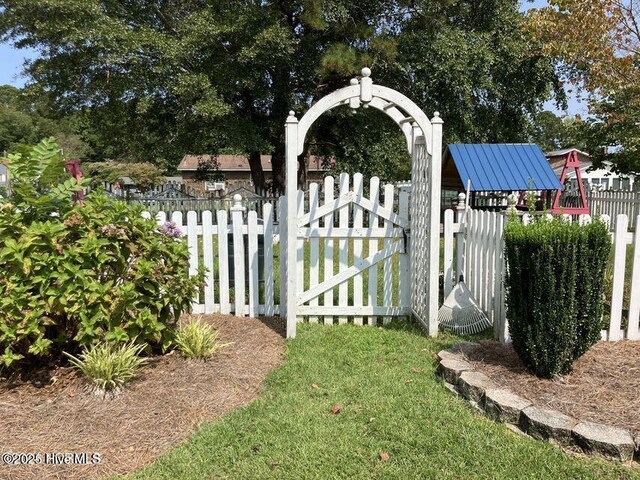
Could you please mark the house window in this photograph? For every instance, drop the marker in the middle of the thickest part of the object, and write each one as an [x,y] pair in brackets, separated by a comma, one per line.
[626,184]
[616,184]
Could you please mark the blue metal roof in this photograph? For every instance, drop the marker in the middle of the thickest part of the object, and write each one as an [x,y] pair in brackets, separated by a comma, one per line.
[505,166]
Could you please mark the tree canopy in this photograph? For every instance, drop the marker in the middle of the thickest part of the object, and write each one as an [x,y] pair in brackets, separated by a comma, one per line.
[27,117]
[596,44]
[155,80]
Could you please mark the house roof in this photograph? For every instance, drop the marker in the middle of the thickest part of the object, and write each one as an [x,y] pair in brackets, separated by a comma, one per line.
[558,158]
[498,167]
[240,163]
[563,152]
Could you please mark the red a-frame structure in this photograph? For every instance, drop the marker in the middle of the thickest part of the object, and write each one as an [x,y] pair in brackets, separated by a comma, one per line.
[572,161]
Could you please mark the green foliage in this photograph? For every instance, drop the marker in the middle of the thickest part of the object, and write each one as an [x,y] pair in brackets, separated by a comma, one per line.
[27,115]
[385,157]
[198,340]
[611,134]
[552,132]
[78,274]
[39,185]
[108,366]
[555,285]
[144,174]
[157,82]
[99,272]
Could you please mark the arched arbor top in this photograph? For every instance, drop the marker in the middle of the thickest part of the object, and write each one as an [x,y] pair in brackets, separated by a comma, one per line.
[362,92]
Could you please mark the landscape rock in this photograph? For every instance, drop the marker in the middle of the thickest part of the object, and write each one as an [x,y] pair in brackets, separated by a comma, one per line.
[451,368]
[547,424]
[464,348]
[448,353]
[452,388]
[605,441]
[472,385]
[458,351]
[503,405]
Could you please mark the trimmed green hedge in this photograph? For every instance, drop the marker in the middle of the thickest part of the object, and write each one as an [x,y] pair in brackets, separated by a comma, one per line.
[555,284]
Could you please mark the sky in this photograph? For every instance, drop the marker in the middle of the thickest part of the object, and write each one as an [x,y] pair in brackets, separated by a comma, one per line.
[12,60]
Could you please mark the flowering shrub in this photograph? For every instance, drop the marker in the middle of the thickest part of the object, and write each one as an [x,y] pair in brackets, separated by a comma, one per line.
[170,229]
[87,273]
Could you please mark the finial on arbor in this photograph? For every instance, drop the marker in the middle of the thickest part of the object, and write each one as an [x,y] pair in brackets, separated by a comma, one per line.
[436,118]
[366,92]
[292,117]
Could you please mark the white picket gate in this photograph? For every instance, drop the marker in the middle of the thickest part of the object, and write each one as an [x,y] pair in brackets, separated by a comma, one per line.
[480,237]
[351,254]
[344,244]
[424,143]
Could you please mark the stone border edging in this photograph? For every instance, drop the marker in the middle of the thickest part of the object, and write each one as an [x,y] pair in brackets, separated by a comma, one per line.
[502,405]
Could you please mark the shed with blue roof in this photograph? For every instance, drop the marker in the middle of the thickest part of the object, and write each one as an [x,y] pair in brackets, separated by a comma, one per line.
[500,168]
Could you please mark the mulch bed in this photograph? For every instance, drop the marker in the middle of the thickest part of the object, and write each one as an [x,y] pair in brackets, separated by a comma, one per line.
[156,412]
[603,387]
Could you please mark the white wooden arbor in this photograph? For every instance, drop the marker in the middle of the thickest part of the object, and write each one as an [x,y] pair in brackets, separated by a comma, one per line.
[424,142]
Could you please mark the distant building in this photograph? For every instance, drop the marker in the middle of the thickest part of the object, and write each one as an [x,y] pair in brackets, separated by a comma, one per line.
[597,179]
[234,172]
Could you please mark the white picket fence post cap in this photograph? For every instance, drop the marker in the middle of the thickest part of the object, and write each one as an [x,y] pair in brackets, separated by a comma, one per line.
[237,203]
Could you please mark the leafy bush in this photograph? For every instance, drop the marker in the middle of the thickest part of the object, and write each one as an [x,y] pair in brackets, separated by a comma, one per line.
[145,175]
[198,340]
[74,275]
[554,284]
[109,366]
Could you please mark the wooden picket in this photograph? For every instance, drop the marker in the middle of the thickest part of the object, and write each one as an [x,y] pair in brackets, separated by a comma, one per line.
[483,263]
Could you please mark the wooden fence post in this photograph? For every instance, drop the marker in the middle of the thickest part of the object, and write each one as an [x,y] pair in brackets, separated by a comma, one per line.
[237,211]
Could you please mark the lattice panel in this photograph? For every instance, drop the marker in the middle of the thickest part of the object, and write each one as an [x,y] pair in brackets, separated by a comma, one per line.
[419,253]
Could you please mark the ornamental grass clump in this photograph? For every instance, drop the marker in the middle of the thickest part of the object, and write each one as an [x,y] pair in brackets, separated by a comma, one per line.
[555,283]
[109,366]
[198,340]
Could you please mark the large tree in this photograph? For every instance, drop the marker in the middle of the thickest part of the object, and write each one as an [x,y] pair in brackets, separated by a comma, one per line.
[596,44]
[156,79]
[26,117]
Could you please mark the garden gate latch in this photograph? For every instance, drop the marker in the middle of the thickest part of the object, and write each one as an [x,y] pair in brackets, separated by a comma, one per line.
[405,238]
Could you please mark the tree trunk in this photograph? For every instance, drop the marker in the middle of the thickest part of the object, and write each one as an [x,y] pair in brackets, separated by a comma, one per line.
[257,173]
[278,166]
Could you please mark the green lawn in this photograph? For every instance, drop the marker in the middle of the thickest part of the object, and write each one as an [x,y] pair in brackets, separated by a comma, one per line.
[383,379]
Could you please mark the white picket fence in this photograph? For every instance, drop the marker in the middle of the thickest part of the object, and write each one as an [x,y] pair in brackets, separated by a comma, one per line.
[478,239]
[233,275]
[238,250]
[615,203]
[352,259]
